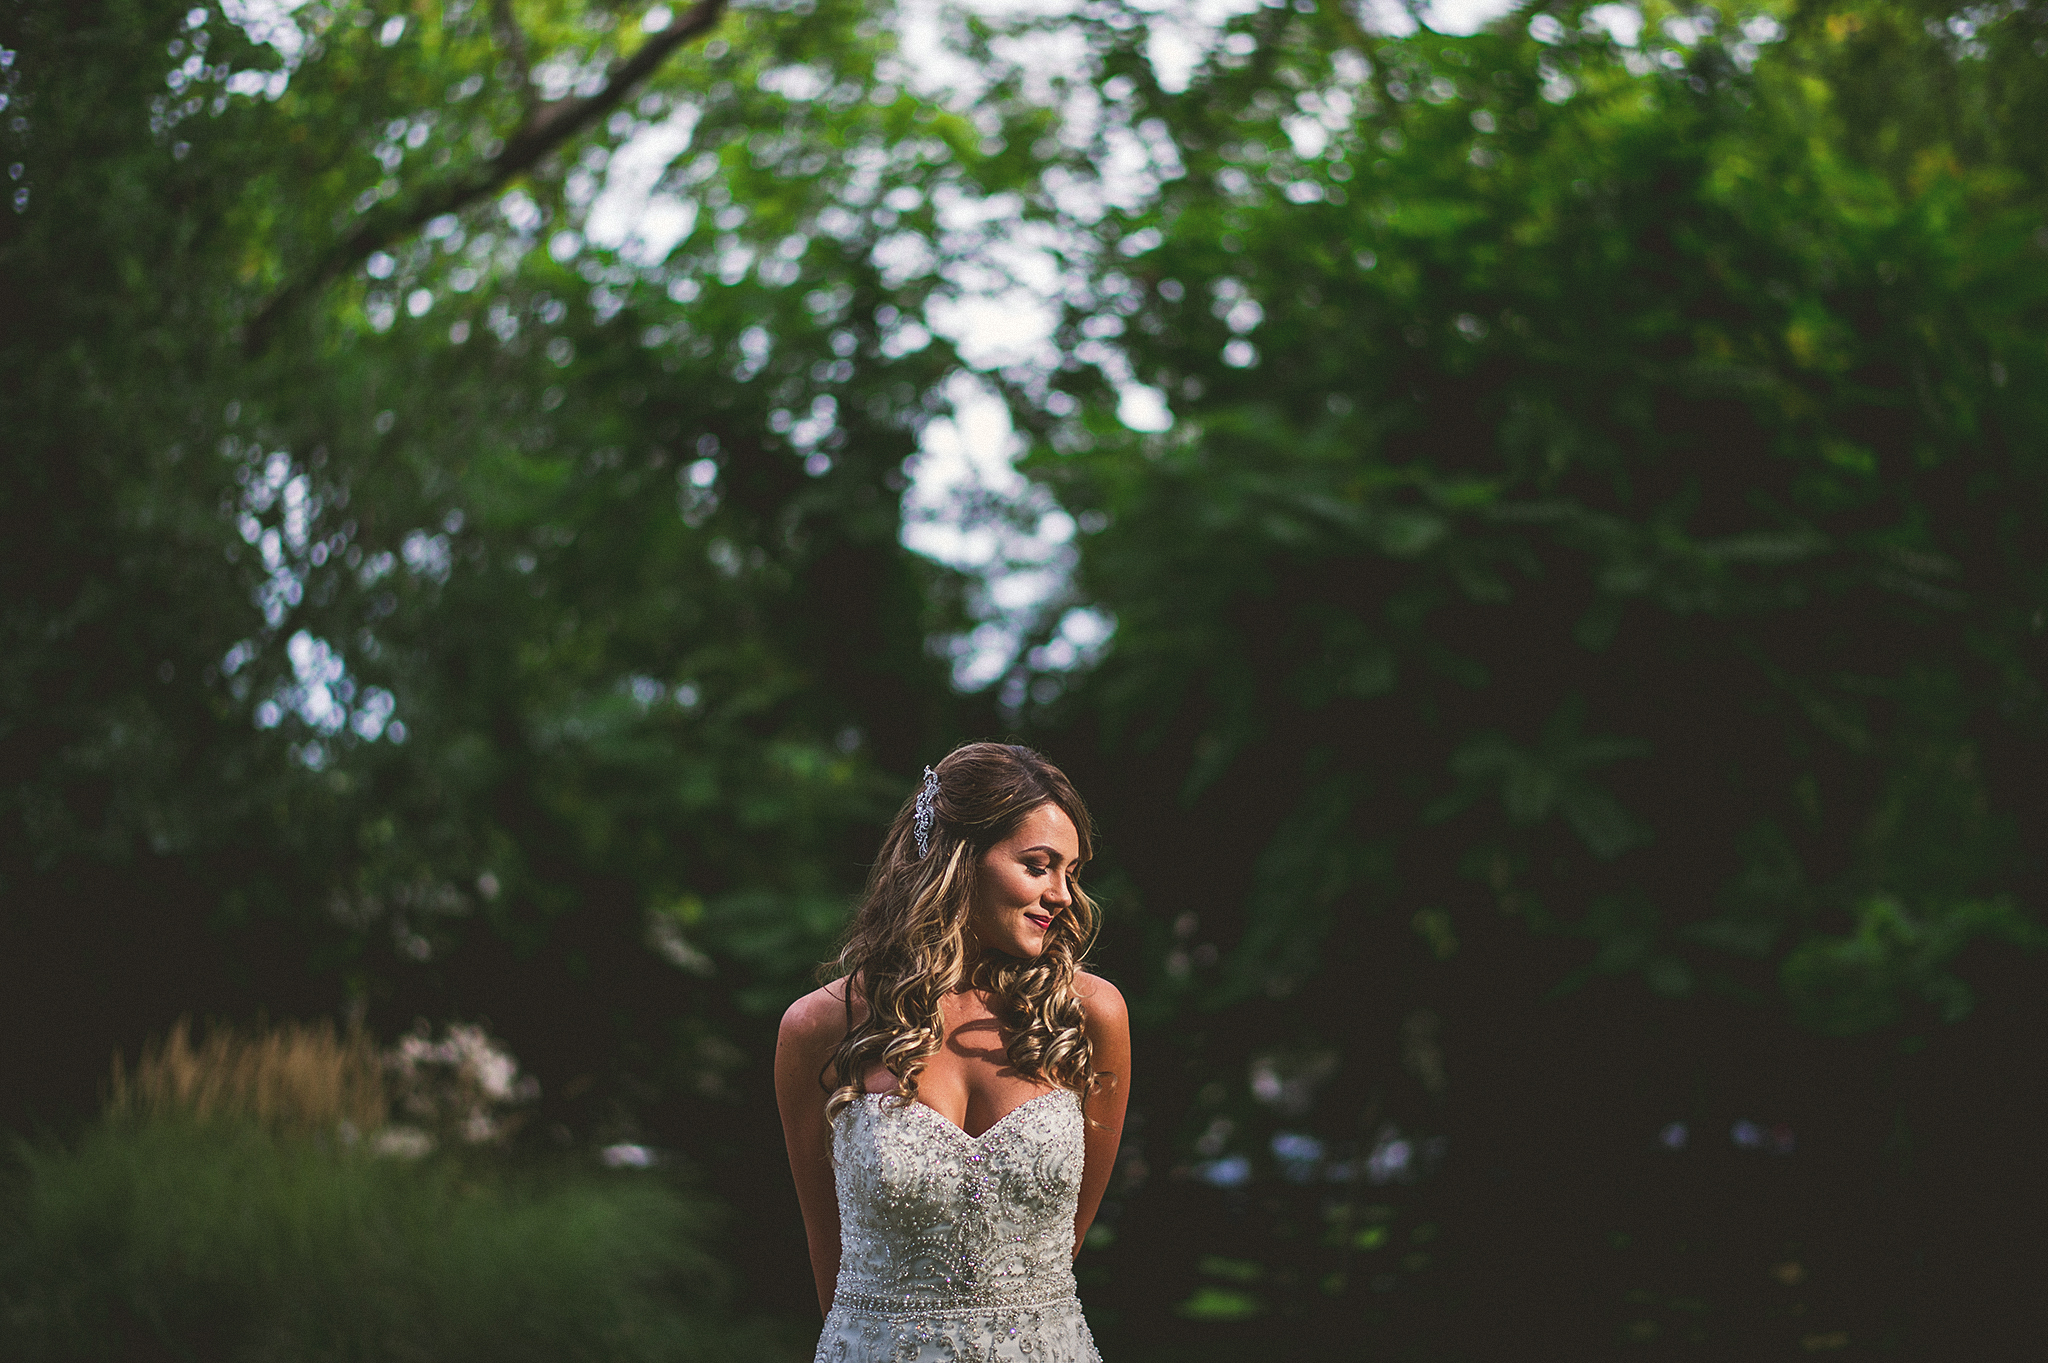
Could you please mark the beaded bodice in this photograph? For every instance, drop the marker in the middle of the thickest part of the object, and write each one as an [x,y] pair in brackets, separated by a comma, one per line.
[932,1219]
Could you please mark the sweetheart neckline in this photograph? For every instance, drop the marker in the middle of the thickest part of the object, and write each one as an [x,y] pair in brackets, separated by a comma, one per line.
[993,1127]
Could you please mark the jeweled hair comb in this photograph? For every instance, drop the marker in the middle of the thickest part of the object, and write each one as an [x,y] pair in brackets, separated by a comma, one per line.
[926,814]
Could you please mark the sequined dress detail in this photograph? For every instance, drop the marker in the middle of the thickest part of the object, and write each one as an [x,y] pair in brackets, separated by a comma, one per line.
[957,1248]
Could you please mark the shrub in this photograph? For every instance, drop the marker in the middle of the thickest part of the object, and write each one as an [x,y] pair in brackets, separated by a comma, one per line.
[222,1240]
[235,1204]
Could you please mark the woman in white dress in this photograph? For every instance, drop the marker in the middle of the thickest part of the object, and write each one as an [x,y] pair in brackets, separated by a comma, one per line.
[953,1102]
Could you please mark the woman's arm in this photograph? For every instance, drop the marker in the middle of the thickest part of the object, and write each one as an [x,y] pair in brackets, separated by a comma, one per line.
[810,1029]
[1109,1032]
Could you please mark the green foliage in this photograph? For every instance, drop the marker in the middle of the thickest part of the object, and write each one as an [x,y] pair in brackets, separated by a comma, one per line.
[1605,490]
[1855,983]
[520,584]
[169,1240]
[1220,1303]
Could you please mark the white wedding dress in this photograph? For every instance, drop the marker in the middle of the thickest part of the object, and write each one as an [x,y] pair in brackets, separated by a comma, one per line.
[957,1248]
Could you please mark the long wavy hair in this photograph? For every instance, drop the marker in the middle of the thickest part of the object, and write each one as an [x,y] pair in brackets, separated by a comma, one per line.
[908,948]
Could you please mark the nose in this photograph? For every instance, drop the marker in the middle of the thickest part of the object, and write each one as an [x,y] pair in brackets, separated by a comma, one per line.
[1057,895]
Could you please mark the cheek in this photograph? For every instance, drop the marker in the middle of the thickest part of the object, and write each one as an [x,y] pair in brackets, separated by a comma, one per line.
[988,914]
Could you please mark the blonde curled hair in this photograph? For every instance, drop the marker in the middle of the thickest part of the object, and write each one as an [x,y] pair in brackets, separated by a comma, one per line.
[907,947]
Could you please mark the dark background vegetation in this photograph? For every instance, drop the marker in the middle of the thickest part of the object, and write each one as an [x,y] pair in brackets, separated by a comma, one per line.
[1568,754]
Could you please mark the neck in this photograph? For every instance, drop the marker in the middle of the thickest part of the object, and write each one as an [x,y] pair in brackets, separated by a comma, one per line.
[975,961]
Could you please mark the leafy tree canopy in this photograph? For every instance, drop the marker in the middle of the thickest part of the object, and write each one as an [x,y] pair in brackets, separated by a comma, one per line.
[476,584]
[1603,491]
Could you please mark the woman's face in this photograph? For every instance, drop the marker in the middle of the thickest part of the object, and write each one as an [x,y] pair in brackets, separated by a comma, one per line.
[1024,882]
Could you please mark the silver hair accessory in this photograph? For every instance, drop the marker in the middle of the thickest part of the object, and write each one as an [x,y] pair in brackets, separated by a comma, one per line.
[926,816]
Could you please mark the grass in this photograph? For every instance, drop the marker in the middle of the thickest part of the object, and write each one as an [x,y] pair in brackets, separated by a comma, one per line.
[220,1211]
[224,1241]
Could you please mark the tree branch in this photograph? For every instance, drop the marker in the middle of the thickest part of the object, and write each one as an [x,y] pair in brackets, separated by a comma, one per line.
[546,127]
[511,37]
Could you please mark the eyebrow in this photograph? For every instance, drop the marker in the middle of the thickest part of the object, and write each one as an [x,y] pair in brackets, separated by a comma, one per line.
[1052,852]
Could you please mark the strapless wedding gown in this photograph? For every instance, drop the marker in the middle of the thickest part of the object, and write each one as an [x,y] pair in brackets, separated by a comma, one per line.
[957,1248]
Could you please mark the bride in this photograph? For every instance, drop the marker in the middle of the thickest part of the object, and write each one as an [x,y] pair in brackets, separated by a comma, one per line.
[953,1102]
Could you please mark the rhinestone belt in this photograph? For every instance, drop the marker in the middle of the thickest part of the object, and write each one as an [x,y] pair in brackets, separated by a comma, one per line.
[950,1306]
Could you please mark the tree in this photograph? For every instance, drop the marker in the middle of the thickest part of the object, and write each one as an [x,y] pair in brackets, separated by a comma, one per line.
[1599,497]
[1597,539]
[520,628]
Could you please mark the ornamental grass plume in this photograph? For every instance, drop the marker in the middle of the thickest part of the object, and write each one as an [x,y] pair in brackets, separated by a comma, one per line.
[295,1078]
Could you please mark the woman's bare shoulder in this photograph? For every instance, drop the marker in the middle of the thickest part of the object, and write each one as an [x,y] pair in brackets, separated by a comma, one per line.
[1101,1001]
[818,1018]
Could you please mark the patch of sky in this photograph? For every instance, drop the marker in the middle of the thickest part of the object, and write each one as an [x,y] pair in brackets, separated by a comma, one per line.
[631,214]
[519,210]
[1299,1155]
[1460,18]
[901,335]
[1388,18]
[278,514]
[797,82]
[1006,279]
[903,256]
[428,555]
[969,508]
[1181,34]
[629,1156]
[1687,29]
[816,426]
[275,516]
[1143,408]
[565,74]
[267,23]
[927,59]
[755,346]
[1623,23]
[1392,1159]
[1762,28]
[373,716]
[1232,1171]
[323,697]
